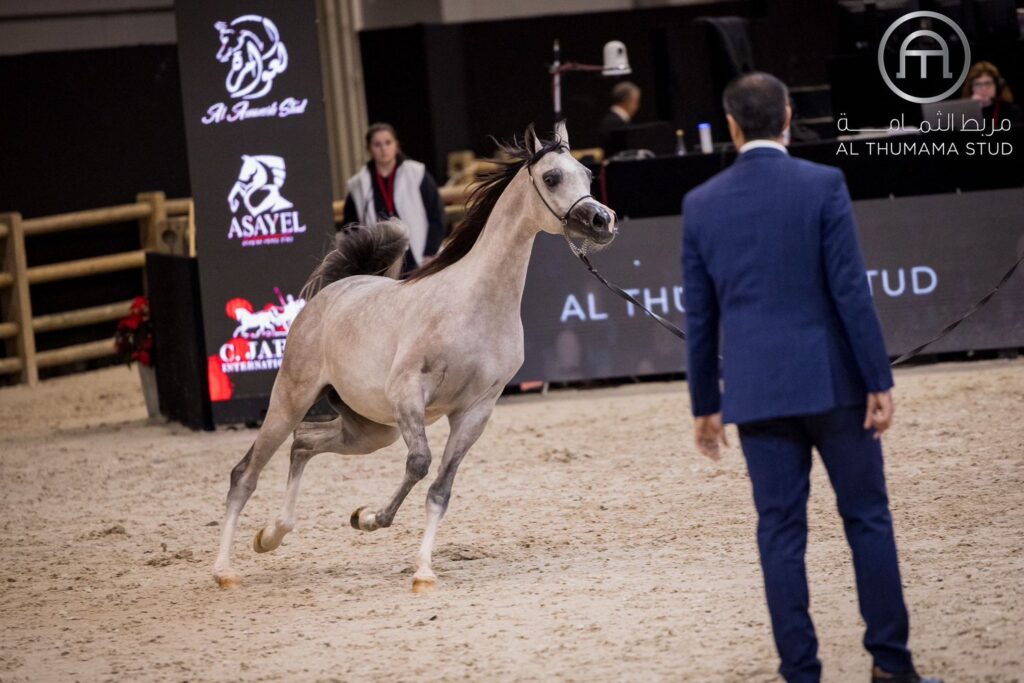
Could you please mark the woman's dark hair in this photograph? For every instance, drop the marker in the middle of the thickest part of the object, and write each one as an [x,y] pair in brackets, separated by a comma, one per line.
[376,128]
[758,103]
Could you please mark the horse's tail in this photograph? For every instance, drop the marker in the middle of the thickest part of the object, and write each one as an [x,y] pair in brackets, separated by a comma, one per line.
[360,250]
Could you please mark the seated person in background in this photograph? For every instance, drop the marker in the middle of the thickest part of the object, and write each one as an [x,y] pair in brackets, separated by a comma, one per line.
[625,104]
[985,85]
[393,186]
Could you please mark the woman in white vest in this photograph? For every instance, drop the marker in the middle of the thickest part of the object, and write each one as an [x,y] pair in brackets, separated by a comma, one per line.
[394,186]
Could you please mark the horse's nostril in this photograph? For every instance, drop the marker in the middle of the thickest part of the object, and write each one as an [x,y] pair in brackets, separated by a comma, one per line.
[600,219]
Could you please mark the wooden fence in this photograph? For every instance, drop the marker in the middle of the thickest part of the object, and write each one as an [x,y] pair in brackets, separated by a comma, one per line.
[164,225]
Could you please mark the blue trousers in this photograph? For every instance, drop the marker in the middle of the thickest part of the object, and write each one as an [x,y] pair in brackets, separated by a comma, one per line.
[778,454]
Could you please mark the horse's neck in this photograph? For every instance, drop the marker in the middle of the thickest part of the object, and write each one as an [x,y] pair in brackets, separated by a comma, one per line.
[497,263]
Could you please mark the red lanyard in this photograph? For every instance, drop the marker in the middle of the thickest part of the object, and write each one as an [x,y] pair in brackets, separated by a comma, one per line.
[387,188]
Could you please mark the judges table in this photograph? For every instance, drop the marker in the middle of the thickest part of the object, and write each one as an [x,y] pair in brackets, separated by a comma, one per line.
[655,187]
[938,232]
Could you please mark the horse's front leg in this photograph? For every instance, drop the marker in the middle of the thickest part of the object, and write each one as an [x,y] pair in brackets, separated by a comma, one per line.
[409,406]
[466,428]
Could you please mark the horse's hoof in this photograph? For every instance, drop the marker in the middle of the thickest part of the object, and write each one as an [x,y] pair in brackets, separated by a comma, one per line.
[257,543]
[228,579]
[361,521]
[423,585]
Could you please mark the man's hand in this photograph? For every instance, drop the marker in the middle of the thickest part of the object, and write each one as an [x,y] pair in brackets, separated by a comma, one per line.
[879,412]
[708,432]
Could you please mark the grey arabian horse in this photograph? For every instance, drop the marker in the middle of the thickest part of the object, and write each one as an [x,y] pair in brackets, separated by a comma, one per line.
[394,356]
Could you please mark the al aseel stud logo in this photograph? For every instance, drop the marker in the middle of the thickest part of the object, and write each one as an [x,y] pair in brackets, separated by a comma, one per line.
[924,57]
[262,215]
[252,48]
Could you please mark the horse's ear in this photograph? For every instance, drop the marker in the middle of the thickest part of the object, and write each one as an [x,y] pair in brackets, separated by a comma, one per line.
[530,139]
[561,134]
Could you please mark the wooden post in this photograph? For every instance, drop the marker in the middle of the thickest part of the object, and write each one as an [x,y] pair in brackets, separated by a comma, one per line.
[151,227]
[191,228]
[17,303]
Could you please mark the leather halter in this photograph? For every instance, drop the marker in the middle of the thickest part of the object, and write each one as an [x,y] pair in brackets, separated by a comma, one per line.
[561,219]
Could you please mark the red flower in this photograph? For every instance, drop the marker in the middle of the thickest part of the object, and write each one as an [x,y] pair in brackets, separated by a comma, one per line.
[139,305]
[134,338]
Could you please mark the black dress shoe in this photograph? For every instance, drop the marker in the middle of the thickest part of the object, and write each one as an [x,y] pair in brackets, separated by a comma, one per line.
[881,676]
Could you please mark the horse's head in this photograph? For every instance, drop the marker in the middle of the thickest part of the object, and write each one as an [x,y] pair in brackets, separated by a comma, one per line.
[228,41]
[563,186]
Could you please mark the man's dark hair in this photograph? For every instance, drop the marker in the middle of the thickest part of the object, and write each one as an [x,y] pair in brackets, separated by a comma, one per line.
[758,103]
[623,91]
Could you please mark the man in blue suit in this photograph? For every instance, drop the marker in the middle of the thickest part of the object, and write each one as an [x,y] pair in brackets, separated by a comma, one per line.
[770,258]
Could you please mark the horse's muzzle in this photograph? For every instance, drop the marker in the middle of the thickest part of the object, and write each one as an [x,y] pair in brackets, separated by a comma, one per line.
[593,221]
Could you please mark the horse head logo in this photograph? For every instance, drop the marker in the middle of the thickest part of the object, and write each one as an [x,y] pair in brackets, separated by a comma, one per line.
[259,185]
[252,46]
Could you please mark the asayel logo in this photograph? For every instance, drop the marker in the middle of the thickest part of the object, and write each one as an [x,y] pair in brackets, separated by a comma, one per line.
[924,57]
[252,48]
[262,214]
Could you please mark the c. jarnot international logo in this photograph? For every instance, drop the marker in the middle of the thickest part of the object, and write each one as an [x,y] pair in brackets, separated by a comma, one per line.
[924,57]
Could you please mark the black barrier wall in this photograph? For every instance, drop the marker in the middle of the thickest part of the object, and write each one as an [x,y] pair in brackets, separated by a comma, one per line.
[928,259]
[257,150]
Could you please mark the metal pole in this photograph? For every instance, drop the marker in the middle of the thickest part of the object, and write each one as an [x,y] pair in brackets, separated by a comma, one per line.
[556,82]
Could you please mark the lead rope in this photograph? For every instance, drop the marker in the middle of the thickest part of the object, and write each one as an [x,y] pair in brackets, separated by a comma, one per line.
[580,252]
[956,323]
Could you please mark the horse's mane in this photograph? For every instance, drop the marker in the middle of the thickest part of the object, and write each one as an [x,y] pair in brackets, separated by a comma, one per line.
[481,203]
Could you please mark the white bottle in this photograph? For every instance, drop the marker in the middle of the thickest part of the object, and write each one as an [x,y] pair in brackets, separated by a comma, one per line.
[704,130]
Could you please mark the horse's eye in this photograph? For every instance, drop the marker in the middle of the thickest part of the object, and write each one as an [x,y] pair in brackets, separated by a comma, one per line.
[552,178]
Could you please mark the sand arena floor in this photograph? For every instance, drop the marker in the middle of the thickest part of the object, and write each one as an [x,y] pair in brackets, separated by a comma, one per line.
[586,541]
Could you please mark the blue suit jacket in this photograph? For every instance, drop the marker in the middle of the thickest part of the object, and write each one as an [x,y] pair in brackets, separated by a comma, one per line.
[770,253]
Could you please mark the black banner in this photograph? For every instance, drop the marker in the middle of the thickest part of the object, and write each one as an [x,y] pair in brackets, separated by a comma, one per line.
[928,259]
[260,174]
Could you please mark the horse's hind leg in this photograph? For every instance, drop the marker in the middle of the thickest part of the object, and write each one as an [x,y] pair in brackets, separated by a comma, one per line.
[288,403]
[348,433]
[269,537]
